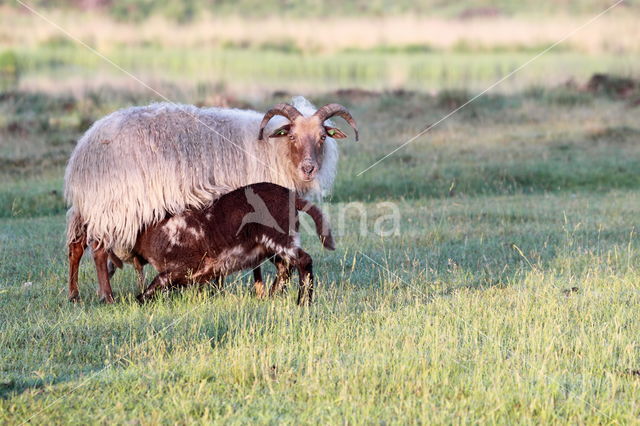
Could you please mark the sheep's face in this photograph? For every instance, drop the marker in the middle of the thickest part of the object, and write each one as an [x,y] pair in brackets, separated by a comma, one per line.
[306,137]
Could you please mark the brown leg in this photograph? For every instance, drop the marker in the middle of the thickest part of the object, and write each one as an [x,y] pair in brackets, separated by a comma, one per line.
[111,268]
[100,258]
[218,283]
[138,264]
[305,268]
[76,250]
[258,283]
[160,282]
[283,275]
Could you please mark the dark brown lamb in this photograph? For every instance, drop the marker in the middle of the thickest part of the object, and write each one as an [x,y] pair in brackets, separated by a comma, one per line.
[238,231]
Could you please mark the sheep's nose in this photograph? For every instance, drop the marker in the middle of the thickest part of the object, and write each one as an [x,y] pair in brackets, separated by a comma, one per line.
[308,169]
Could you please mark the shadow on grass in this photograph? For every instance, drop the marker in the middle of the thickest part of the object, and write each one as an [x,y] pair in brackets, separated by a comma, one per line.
[12,388]
[15,387]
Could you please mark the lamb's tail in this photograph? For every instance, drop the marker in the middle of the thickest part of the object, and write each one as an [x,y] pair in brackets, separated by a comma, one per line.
[322,226]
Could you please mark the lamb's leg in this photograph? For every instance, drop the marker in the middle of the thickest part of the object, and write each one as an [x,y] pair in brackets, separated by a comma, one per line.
[304,264]
[213,284]
[160,282]
[76,250]
[100,258]
[283,275]
[258,283]
[218,283]
[111,268]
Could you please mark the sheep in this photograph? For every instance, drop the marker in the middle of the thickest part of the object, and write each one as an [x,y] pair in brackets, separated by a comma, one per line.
[136,165]
[237,231]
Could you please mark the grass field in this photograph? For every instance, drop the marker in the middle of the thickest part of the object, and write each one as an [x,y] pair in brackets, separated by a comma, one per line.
[255,71]
[510,294]
[258,54]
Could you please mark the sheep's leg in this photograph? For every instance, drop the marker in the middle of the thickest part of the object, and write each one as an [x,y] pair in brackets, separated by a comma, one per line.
[76,250]
[100,258]
[138,265]
[283,275]
[160,282]
[258,283]
[304,263]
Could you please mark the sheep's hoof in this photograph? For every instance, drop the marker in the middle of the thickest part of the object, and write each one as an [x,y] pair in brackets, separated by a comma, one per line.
[141,298]
[304,298]
[107,299]
[74,298]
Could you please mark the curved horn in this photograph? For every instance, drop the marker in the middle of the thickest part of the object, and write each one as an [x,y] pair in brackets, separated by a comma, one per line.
[329,110]
[285,110]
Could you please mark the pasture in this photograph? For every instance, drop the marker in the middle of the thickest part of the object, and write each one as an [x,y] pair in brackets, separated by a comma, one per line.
[509,293]
[487,272]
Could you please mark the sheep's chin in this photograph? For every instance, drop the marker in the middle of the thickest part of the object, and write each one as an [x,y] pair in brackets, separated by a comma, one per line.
[304,185]
[307,179]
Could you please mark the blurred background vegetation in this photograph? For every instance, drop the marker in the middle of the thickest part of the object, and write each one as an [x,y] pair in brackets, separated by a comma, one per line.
[253,48]
[188,10]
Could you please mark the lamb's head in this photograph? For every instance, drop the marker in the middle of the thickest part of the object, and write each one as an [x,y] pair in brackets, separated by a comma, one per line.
[306,135]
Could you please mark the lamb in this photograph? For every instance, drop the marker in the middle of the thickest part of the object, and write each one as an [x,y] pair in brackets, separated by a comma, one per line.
[140,164]
[237,231]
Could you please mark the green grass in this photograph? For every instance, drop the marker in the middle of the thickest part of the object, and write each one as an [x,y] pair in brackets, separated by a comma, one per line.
[509,294]
[244,70]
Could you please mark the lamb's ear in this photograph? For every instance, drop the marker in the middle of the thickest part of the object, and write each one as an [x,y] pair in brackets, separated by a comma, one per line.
[334,132]
[281,131]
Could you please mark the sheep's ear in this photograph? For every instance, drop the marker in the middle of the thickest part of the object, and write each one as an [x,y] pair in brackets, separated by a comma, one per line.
[281,131]
[335,133]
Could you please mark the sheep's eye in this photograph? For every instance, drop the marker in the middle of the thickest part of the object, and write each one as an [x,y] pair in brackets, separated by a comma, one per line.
[280,132]
[331,132]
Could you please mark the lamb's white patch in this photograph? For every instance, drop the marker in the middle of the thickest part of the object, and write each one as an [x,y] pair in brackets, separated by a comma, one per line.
[225,262]
[231,260]
[174,228]
[296,239]
[288,252]
[197,233]
[228,260]
[256,253]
